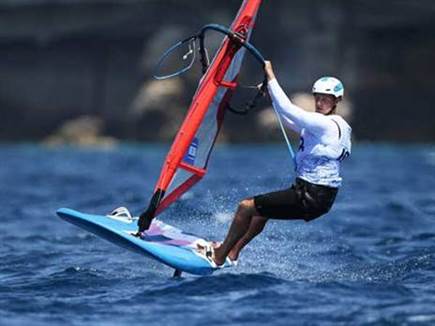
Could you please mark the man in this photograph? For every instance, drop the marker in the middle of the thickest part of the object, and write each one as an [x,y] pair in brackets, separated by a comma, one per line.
[324,143]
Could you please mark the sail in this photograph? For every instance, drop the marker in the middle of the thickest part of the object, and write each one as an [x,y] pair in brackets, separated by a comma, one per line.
[186,162]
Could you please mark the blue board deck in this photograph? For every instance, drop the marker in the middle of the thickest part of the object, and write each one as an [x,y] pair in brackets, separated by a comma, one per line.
[162,242]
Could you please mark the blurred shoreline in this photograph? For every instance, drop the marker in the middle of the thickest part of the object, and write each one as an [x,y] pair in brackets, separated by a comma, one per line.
[164,145]
[61,61]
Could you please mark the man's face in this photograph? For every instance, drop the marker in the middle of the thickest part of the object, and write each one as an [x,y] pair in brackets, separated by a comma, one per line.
[325,103]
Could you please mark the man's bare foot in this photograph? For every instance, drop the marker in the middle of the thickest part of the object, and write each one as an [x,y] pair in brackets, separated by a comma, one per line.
[217,256]
[233,255]
[211,252]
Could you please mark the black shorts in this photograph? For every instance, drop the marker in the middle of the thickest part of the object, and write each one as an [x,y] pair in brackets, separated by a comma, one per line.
[303,200]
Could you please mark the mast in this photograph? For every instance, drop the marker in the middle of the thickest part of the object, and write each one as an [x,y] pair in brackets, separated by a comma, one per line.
[186,161]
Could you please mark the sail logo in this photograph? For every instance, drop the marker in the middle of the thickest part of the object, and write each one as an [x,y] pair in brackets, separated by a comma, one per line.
[192,151]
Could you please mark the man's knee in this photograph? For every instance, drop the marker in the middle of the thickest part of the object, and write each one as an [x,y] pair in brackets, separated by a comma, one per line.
[247,206]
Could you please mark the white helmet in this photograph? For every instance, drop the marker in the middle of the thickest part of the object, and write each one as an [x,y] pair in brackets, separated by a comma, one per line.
[328,85]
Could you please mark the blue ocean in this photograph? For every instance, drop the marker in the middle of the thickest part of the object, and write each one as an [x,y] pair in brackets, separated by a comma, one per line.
[371,260]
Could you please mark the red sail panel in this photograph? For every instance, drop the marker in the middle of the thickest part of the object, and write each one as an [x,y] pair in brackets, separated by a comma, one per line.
[186,162]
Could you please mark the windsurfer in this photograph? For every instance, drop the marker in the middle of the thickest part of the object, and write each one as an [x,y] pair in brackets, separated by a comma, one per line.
[325,140]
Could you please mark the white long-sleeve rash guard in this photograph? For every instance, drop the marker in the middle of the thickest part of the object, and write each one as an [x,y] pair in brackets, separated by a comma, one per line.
[325,139]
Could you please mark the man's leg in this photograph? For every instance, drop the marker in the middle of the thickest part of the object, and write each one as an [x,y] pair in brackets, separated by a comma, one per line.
[255,228]
[239,227]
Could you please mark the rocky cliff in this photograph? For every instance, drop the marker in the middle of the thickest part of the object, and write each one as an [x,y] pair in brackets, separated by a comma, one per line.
[61,60]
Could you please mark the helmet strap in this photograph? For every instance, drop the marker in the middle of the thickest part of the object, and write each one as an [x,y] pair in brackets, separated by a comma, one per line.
[332,110]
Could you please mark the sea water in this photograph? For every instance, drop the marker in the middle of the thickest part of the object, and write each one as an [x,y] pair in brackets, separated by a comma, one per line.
[371,260]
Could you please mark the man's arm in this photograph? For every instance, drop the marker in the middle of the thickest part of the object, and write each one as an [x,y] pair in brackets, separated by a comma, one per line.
[315,123]
[288,123]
